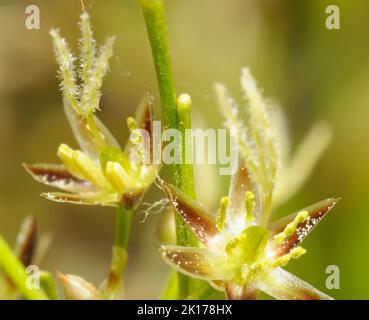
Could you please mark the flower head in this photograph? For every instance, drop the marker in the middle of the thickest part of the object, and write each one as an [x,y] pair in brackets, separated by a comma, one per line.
[240,255]
[242,251]
[101,173]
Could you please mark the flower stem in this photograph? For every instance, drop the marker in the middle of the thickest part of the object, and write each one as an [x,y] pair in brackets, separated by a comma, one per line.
[123,226]
[49,286]
[153,11]
[187,183]
[118,263]
[15,270]
[184,123]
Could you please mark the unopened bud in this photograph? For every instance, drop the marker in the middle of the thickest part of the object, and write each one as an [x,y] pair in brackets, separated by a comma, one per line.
[76,288]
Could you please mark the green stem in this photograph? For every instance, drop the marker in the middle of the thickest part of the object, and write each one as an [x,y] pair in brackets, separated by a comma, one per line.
[48,284]
[187,183]
[16,271]
[184,123]
[119,255]
[123,226]
[153,11]
[184,236]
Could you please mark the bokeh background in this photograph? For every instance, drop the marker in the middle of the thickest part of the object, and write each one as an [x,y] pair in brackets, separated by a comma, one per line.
[314,73]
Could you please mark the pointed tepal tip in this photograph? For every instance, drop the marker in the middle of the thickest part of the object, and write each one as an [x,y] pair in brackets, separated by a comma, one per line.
[170,192]
[165,187]
[49,196]
[30,224]
[76,288]
[26,240]
[333,201]
[83,7]
[35,171]
[62,277]
[29,168]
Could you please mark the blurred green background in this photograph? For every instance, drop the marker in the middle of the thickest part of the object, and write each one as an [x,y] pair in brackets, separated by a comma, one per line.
[314,73]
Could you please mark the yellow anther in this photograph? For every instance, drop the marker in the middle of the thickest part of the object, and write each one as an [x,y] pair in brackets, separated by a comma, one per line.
[135,137]
[81,165]
[221,217]
[131,124]
[88,168]
[234,243]
[290,229]
[293,254]
[250,205]
[66,155]
[248,271]
[118,176]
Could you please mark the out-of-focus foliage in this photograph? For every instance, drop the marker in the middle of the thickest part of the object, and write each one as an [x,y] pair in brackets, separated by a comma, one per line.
[314,73]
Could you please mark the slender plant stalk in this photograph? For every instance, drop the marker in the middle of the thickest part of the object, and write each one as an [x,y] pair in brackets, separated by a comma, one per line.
[49,286]
[153,11]
[184,123]
[187,183]
[15,270]
[119,256]
[123,226]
